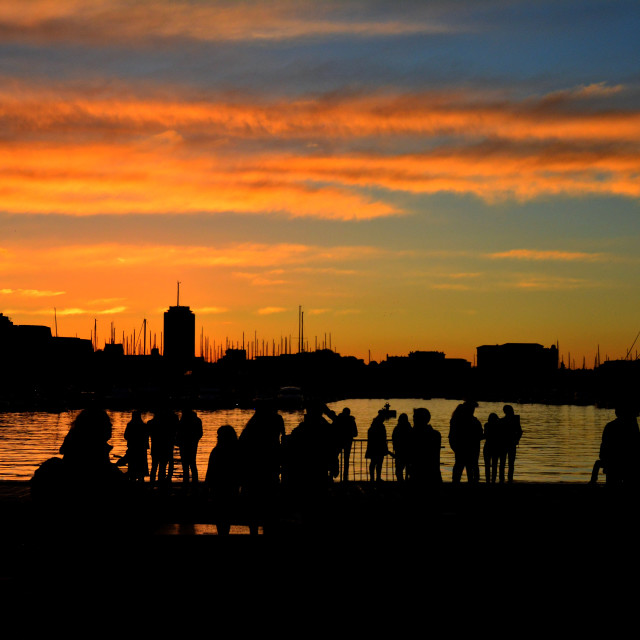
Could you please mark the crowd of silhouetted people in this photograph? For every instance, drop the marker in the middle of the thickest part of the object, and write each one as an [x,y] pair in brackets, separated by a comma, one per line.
[254,467]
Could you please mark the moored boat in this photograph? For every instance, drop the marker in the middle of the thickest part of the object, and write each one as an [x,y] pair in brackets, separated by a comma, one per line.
[290,398]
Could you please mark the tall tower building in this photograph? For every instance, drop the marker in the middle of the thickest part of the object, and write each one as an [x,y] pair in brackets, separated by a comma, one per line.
[179,333]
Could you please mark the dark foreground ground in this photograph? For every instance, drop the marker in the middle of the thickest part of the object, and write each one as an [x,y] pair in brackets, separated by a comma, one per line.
[516,559]
[375,558]
[359,525]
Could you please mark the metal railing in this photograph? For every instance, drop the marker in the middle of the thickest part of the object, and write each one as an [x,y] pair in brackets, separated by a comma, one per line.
[359,465]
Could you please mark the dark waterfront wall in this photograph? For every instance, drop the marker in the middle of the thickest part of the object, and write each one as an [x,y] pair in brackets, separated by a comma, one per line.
[70,377]
[39,370]
[34,363]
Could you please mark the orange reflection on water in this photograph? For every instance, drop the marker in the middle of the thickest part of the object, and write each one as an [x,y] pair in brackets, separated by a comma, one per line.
[560,442]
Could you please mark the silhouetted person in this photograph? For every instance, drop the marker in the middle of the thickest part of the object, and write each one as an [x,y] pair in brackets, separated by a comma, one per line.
[223,478]
[309,450]
[260,441]
[426,443]
[162,433]
[333,443]
[512,434]
[377,447]
[136,434]
[346,430]
[494,450]
[188,435]
[260,451]
[465,435]
[620,447]
[84,482]
[401,440]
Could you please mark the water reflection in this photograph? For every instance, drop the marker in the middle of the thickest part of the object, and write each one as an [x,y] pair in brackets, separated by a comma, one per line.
[560,443]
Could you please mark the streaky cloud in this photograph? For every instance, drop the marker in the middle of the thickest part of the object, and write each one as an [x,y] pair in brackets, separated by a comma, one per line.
[134,24]
[210,310]
[266,311]
[32,293]
[132,256]
[550,255]
[552,284]
[93,154]
[112,310]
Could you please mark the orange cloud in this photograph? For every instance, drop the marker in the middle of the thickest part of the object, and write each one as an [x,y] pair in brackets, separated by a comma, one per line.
[100,256]
[266,311]
[531,254]
[72,154]
[491,174]
[210,310]
[67,311]
[121,179]
[97,21]
[125,110]
[550,283]
[451,286]
[31,293]
[260,280]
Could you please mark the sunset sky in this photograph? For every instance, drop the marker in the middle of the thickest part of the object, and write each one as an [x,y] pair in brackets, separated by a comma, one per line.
[415,175]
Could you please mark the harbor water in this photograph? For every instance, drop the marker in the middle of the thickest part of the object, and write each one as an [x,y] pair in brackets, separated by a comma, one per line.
[560,442]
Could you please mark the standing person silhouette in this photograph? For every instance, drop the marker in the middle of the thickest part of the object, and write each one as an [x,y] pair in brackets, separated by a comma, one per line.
[401,440]
[426,443]
[494,450]
[136,434]
[188,435]
[223,478]
[465,435]
[512,433]
[377,447]
[162,430]
[309,450]
[308,454]
[260,451]
[346,430]
[620,447]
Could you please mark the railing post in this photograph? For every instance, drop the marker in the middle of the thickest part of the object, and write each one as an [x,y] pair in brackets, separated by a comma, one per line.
[359,467]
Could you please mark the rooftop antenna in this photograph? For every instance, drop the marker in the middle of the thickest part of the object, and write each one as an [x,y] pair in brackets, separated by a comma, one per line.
[55,320]
[178,300]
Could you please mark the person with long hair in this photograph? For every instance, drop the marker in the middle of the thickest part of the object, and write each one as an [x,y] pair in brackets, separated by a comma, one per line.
[377,447]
